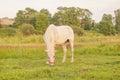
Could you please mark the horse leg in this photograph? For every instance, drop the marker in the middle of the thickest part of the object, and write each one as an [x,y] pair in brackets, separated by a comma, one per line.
[65,50]
[48,60]
[72,49]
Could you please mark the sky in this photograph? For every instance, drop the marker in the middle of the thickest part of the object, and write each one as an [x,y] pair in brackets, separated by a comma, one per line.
[9,8]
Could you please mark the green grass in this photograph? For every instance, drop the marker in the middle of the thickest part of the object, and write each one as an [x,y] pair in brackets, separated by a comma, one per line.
[97,62]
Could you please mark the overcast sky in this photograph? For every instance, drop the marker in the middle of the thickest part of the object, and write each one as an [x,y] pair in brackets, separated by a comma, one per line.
[9,8]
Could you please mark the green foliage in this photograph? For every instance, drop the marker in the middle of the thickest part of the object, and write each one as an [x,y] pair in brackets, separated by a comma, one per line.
[71,16]
[7,31]
[78,31]
[86,23]
[107,17]
[106,26]
[42,22]
[117,20]
[25,16]
[39,20]
[27,29]
[45,11]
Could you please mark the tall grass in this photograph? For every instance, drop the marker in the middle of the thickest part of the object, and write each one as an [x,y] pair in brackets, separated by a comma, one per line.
[33,39]
[97,39]
[88,39]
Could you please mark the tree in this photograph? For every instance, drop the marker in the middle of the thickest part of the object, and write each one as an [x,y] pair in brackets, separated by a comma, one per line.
[42,22]
[107,17]
[45,11]
[106,26]
[39,20]
[25,16]
[19,19]
[67,16]
[86,23]
[117,20]
[71,16]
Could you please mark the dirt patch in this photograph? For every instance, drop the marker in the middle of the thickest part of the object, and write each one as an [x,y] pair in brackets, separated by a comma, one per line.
[58,46]
[21,46]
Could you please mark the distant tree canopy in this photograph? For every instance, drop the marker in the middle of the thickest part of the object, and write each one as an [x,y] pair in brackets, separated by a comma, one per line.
[117,20]
[106,26]
[78,18]
[39,20]
[72,16]
[75,17]
[42,22]
[25,16]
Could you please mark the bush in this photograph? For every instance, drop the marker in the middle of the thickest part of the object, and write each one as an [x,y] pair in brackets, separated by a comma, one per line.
[78,31]
[37,32]
[106,28]
[7,31]
[26,29]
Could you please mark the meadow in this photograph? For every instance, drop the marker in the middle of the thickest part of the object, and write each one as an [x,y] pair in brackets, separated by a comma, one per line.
[96,58]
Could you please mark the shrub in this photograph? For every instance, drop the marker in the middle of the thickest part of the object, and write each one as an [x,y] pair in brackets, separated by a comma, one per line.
[106,28]
[7,31]
[26,29]
[37,32]
[78,31]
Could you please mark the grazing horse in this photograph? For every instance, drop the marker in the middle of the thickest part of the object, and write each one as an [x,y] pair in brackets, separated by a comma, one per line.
[58,35]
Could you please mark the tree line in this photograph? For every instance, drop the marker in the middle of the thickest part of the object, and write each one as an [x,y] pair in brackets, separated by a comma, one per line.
[30,21]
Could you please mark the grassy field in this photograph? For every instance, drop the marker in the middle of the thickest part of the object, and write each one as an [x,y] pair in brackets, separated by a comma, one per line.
[97,57]
[101,62]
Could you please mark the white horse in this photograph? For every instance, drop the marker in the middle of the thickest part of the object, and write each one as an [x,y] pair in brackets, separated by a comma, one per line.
[58,35]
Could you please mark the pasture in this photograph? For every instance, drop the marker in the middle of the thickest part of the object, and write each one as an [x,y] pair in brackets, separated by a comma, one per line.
[96,58]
